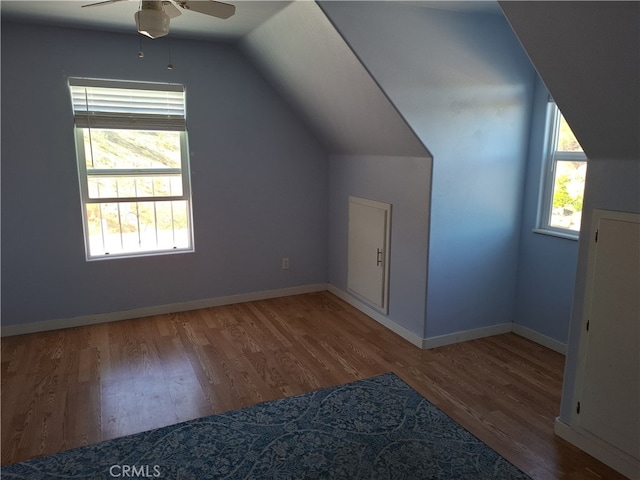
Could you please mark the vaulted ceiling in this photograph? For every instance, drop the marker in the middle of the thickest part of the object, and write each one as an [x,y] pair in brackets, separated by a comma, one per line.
[303,54]
[584,72]
[588,56]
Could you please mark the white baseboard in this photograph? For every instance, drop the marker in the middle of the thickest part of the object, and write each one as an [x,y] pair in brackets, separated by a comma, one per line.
[597,448]
[424,343]
[457,337]
[377,316]
[540,339]
[43,326]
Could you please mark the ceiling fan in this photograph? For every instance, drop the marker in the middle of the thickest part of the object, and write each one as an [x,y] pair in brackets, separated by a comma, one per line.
[152,19]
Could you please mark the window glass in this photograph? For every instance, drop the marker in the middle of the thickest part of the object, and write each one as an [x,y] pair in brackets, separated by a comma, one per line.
[102,186]
[113,148]
[133,167]
[133,227]
[568,191]
[567,141]
[563,190]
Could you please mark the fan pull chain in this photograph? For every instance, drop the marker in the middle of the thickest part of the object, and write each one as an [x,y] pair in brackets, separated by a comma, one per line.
[170,65]
[140,52]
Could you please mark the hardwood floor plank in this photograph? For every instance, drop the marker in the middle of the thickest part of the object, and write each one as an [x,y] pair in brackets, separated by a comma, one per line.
[188,399]
[78,386]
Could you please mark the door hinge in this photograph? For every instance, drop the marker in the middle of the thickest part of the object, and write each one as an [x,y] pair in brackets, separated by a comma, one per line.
[588,322]
[596,237]
[578,409]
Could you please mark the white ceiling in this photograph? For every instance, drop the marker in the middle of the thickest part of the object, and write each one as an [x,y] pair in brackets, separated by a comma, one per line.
[119,17]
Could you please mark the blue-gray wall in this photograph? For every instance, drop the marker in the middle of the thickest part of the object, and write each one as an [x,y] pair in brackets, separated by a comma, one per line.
[546,264]
[465,86]
[259,180]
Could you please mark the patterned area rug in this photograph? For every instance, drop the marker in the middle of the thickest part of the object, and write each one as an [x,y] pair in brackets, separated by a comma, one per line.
[377,428]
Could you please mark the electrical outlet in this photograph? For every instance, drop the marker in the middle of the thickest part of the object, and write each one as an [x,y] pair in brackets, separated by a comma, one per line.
[285,264]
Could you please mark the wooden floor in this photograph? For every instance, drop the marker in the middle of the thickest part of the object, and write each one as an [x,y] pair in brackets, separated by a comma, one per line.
[72,387]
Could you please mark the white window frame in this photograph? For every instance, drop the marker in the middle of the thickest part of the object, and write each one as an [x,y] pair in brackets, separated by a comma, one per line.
[551,159]
[130,119]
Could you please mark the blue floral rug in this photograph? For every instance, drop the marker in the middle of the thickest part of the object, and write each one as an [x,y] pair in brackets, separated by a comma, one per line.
[379,428]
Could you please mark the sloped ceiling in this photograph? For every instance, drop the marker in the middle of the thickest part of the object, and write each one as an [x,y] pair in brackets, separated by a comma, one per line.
[588,55]
[312,65]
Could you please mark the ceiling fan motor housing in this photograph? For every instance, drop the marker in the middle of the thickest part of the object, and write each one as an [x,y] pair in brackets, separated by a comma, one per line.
[151,20]
[154,16]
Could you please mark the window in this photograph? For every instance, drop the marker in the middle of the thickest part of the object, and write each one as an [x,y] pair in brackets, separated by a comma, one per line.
[563,182]
[133,167]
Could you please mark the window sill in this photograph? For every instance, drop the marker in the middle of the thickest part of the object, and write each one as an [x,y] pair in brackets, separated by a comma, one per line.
[554,233]
[129,255]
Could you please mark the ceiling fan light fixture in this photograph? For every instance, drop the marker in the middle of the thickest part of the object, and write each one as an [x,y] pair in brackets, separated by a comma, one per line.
[152,23]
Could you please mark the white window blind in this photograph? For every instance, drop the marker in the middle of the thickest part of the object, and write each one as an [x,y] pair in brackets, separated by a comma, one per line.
[129,105]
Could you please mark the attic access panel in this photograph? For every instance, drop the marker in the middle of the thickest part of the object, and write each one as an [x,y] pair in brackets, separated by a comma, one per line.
[368,257]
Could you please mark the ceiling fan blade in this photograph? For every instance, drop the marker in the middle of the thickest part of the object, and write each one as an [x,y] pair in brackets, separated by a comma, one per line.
[106,2]
[209,7]
[170,9]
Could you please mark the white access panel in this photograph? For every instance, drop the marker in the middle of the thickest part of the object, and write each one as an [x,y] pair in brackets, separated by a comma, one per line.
[368,258]
[609,372]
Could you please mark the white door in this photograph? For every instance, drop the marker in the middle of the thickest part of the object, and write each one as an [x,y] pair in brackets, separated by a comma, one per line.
[368,258]
[610,398]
